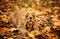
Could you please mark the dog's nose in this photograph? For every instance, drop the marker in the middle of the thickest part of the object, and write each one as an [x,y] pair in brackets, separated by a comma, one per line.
[30,17]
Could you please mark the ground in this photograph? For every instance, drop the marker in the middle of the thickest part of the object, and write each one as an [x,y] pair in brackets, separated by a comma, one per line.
[29,19]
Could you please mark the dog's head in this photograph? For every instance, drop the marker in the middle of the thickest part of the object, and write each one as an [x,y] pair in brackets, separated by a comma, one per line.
[30,17]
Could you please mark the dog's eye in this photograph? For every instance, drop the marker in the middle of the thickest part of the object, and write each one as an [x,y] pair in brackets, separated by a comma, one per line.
[33,15]
[58,17]
[26,16]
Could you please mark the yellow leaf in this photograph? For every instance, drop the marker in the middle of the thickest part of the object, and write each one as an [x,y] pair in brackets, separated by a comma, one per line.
[3,30]
[49,10]
[31,34]
[55,37]
[57,23]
